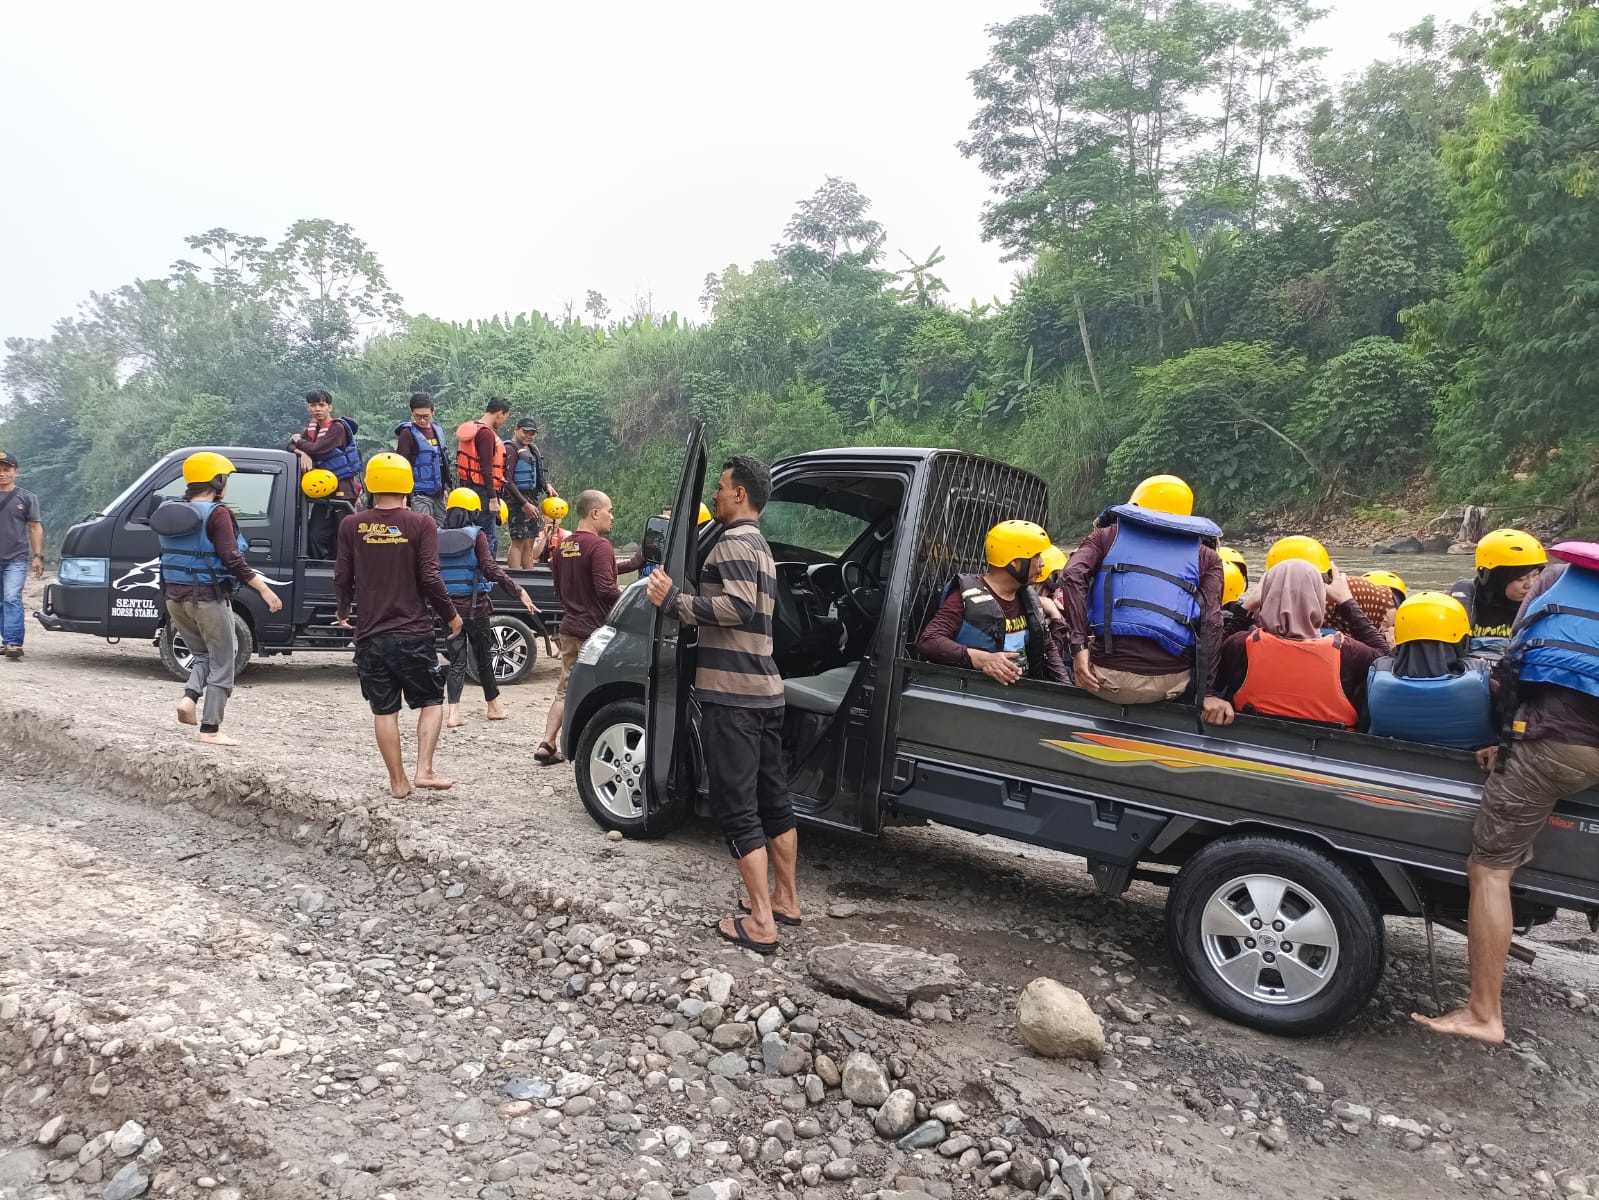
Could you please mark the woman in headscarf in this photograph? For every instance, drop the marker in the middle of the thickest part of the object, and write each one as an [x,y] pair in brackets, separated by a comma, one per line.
[1508,563]
[1431,690]
[1286,666]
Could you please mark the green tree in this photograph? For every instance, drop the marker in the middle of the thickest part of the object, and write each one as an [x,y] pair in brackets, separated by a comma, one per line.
[1369,415]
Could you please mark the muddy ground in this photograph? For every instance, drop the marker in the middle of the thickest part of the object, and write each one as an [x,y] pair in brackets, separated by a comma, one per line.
[298,987]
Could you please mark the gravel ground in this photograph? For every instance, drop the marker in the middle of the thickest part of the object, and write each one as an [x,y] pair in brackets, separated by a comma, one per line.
[294,986]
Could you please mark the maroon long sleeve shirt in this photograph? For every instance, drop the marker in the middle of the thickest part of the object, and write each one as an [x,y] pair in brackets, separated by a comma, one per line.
[938,644]
[388,567]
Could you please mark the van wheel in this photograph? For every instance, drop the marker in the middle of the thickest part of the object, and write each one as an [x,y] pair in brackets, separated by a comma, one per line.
[1275,934]
[512,651]
[611,771]
[177,659]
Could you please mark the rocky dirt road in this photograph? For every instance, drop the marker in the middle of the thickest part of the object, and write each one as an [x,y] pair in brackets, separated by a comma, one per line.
[251,974]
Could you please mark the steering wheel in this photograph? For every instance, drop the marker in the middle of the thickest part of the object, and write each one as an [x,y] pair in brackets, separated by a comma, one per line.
[860,591]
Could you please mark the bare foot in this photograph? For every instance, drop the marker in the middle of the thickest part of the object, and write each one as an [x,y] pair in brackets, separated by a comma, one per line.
[454,721]
[497,712]
[186,715]
[217,739]
[1464,1023]
[433,782]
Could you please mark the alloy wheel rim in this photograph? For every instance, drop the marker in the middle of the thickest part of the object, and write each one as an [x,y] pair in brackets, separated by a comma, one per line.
[1269,939]
[616,770]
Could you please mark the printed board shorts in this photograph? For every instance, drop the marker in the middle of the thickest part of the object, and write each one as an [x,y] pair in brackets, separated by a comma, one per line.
[523,527]
[1517,802]
[394,668]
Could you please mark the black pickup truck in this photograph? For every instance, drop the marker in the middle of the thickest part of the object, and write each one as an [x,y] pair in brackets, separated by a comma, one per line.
[1283,845]
[109,582]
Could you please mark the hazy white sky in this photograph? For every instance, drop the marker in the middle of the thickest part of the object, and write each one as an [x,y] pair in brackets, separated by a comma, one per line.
[500,156]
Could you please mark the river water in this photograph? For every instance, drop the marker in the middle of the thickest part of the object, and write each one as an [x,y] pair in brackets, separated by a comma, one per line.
[1421,572]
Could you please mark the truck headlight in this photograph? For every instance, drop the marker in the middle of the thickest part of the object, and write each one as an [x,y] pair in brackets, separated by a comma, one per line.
[595,645]
[84,570]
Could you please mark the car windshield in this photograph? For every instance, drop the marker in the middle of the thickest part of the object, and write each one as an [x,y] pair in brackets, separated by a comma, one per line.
[794,523]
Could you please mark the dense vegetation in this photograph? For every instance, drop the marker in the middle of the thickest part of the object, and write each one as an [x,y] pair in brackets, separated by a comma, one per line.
[1298,297]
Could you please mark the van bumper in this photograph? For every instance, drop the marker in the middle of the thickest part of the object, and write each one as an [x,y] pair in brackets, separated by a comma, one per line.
[57,615]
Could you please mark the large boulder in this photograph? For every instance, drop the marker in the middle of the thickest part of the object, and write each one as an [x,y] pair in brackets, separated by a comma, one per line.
[1056,1021]
[892,977]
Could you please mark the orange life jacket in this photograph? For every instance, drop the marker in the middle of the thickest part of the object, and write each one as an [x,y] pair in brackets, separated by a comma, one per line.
[1295,679]
[466,460]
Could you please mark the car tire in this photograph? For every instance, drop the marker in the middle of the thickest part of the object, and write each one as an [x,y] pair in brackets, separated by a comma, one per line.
[514,651]
[175,655]
[1229,924]
[611,771]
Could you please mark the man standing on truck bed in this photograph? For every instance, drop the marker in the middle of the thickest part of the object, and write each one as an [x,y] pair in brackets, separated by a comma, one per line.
[584,568]
[1141,594]
[388,567]
[202,557]
[420,442]
[741,701]
[480,463]
[526,482]
[327,443]
[21,547]
[993,623]
[1552,670]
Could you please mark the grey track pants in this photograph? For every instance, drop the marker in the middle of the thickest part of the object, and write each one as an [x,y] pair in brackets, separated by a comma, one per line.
[207,629]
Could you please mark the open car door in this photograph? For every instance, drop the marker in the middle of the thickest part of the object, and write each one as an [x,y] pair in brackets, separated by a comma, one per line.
[671,665]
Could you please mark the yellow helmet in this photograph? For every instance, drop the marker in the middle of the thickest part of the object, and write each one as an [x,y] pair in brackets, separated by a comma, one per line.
[464,498]
[1164,493]
[705,514]
[505,512]
[1388,580]
[1232,585]
[1431,617]
[1509,548]
[319,484]
[1299,546]
[555,508]
[1054,559]
[389,474]
[206,465]
[1010,540]
[1236,557]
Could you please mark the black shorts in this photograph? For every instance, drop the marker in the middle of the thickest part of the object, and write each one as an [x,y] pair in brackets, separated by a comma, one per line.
[523,527]
[748,783]
[390,668]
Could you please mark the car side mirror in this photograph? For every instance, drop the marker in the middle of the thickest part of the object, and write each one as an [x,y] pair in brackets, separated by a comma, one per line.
[147,510]
[654,541]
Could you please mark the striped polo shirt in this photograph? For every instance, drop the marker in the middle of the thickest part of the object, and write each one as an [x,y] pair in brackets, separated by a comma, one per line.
[738,592]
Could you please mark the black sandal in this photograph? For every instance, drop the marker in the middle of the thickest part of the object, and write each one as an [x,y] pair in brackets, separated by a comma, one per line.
[780,918]
[739,938]
[547,755]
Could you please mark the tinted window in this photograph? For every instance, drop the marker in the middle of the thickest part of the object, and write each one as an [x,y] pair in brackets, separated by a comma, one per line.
[248,495]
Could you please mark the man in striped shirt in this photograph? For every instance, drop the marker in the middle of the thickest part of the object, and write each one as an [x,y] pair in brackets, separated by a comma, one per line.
[741,702]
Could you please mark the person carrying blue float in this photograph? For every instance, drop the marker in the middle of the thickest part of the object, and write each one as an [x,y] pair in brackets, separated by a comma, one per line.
[1142,599]
[1431,690]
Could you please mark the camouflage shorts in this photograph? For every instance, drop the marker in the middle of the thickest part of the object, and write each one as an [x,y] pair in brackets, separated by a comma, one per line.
[1517,801]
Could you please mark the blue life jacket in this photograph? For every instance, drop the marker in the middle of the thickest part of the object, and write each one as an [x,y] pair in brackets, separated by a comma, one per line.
[346,461]
[1148,584]
[1558,640]
[984,625]
[526,468]
[187,555]
[458,562]
[428,468]
[1440,710]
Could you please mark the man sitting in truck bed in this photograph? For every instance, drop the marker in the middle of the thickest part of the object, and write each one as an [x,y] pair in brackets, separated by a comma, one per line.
[992,623]
[1141,592]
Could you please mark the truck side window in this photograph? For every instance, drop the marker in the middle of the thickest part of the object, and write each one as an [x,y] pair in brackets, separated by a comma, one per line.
[249,495]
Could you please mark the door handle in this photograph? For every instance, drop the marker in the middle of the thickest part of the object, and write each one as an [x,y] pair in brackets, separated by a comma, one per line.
[260,545]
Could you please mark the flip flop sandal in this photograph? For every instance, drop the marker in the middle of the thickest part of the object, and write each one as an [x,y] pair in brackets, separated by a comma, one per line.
[740,938]
[780,918]
[547,755]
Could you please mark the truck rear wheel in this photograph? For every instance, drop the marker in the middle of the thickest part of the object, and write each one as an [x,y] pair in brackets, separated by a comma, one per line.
[177,659]
[513,651]
[1275,934]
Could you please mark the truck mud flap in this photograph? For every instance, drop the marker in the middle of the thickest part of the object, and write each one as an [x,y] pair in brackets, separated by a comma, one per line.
[1099,828]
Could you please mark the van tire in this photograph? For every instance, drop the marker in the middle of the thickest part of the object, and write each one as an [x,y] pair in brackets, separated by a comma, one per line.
[175,656]
[1221,949]
[514,651]
[609,736]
